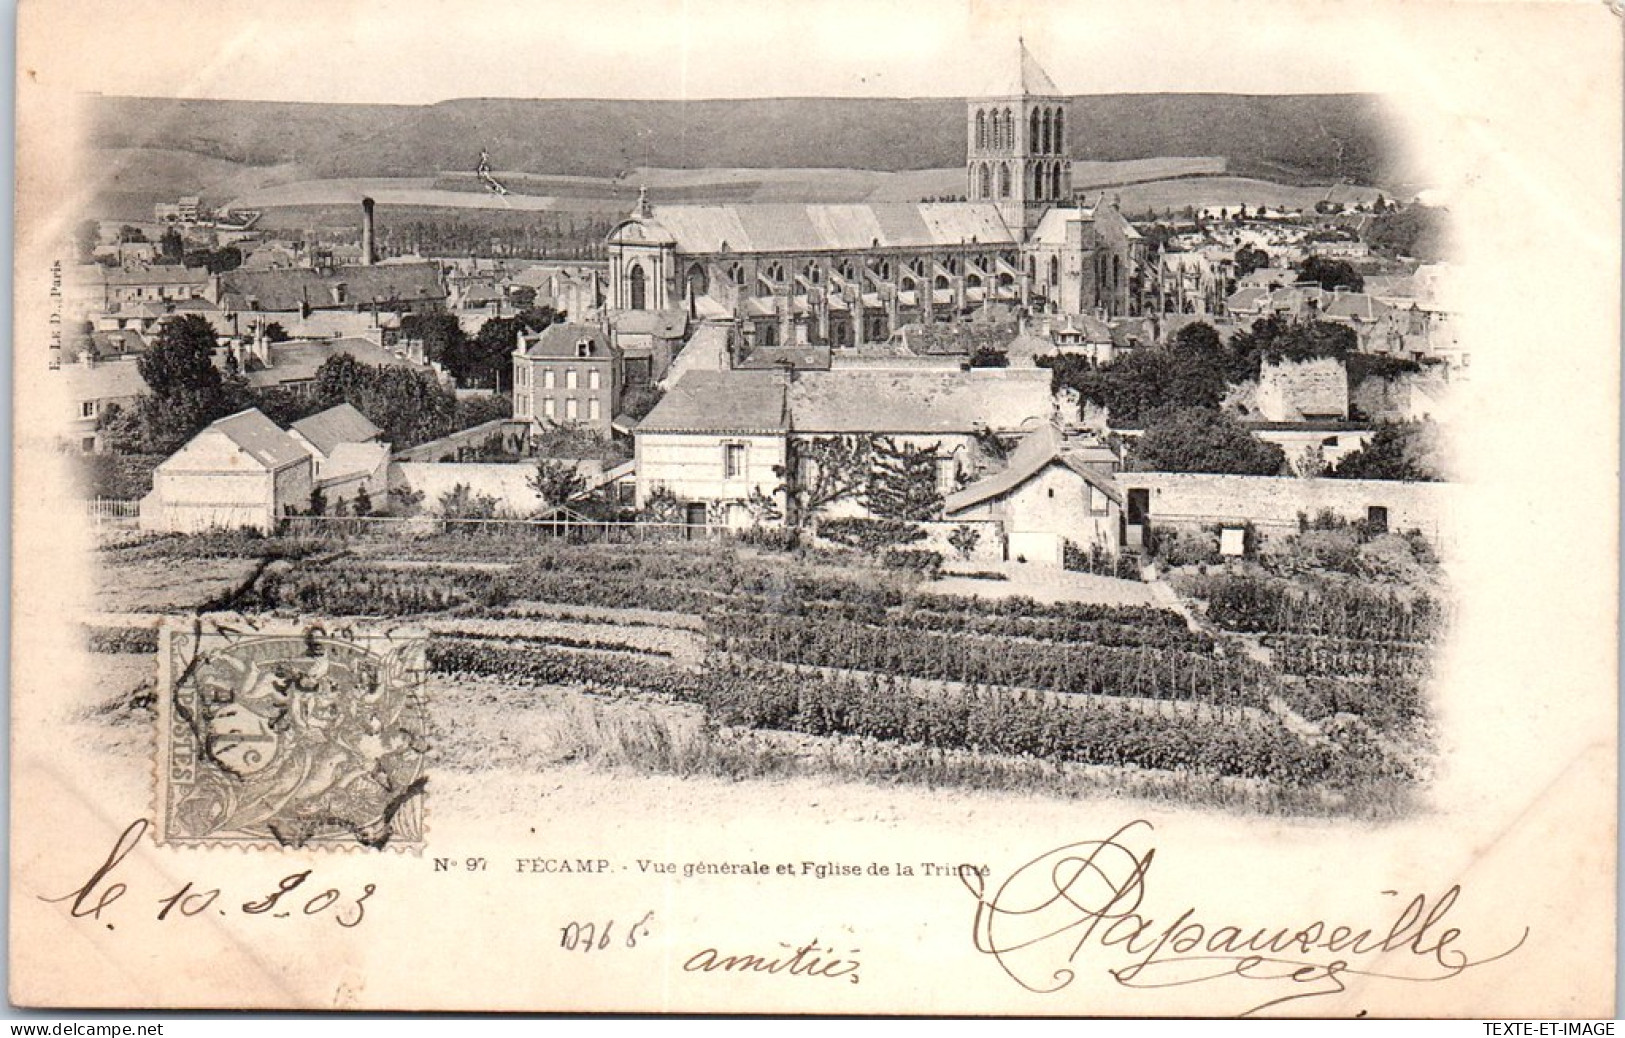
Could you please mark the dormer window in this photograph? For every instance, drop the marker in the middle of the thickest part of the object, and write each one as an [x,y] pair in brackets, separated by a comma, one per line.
[583,347]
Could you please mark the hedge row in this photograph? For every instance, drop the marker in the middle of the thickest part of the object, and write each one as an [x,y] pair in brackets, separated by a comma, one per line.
[1152,673]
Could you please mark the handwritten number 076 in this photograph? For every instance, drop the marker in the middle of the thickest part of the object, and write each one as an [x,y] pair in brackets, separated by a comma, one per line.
[587,937]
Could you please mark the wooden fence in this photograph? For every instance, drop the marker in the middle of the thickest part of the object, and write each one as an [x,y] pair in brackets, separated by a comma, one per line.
[106,509]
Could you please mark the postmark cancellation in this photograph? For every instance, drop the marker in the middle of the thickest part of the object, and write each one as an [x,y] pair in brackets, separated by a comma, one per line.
[291,736]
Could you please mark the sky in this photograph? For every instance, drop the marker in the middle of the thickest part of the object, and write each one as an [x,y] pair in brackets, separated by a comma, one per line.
[421,51]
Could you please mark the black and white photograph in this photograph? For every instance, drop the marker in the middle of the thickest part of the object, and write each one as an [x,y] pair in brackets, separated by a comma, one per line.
[856,509]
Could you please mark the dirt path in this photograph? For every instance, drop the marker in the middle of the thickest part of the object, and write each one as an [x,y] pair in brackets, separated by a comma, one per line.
[1045,584]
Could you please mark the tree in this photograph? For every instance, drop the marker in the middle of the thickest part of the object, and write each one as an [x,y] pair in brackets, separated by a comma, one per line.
[1406,451]
[128,234]
[1198,440]
[1250,258]
[1414,230]
[171,246]
[1276,339]
[461,502]
[989,357]
[218,261]
[363,501]
[318,502]
[964,540]
[342,379]
[407,404]
[181,358]
[902,483]
[556,481]
[822,471]
[638,401]
[1198,339]
[1135,384]
[1330,274]
[86,236]
[274,332]
[443,338]
[187,390]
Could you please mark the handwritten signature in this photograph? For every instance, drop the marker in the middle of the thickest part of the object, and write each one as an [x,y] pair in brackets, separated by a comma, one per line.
[290,898]
[1087,897]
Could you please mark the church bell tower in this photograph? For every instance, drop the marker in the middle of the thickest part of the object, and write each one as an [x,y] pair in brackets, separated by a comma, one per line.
[1015,144]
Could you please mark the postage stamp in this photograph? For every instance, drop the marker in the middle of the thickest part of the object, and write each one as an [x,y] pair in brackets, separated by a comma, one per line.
[291,736]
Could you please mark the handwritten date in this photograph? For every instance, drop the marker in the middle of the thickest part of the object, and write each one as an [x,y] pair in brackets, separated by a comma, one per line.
[291,897]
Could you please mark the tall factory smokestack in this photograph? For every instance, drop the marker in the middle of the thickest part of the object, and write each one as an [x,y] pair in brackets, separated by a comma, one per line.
[369,252]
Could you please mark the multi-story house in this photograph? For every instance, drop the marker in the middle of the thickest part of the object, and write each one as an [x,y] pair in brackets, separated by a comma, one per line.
[566,374]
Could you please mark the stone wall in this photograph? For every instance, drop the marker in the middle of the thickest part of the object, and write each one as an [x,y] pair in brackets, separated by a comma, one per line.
[508,482]
[1273,503]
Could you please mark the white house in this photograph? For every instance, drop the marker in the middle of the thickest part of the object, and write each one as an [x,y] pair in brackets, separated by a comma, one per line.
[239,471]
[718,438]
[1051,492]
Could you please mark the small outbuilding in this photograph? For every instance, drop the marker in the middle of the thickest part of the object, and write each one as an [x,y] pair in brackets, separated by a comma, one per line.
[1052,491]
[239,471]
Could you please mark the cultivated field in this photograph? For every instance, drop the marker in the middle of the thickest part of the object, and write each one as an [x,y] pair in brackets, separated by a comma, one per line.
[713,659]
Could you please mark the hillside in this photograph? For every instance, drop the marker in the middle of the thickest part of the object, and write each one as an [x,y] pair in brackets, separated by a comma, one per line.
[1298,138]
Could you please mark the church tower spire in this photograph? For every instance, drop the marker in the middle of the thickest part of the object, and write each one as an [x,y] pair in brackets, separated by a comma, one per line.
[1015,143]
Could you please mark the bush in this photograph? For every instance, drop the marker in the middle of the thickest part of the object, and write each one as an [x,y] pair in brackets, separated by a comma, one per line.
[1258,605]
[1099,561]
[122,639]
[920,560]
[773,538]
[964,540]
[1336,550]
[1179,546]
[1197,440]
[871,535]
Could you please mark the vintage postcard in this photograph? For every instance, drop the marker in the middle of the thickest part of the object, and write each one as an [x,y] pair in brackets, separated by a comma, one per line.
[985,508]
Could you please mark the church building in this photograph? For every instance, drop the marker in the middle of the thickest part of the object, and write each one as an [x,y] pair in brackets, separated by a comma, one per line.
[847,275]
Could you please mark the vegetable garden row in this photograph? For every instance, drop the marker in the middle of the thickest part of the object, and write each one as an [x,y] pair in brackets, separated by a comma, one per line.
[752,695]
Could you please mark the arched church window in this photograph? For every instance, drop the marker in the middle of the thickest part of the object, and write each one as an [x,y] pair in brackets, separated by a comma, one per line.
[984,178]
[1055,180]
[1009,129]
[639,288]
[1038,181]
[775,272]
[698,282]
[813,274]
[981,129]
[1044,130]
[1055,270]
[1004,180]
[1033,131]
[1060,130]
[942,282]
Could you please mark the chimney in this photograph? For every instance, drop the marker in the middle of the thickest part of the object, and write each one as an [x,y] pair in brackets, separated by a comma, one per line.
[260,346]
[369,253]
